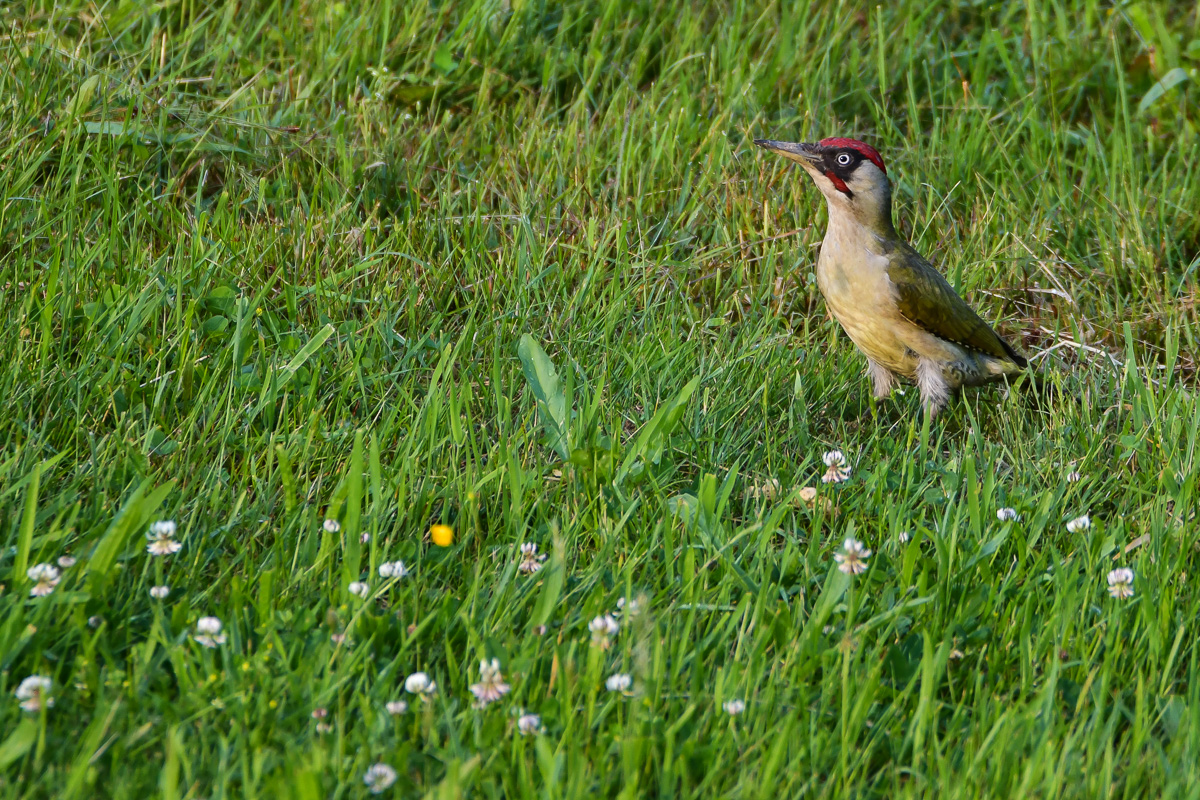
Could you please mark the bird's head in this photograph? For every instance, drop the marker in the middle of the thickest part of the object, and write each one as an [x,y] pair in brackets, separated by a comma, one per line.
[848,172]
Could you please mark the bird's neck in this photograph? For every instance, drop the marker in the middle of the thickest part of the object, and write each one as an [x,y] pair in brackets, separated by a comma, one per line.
[871,214]
[871,209]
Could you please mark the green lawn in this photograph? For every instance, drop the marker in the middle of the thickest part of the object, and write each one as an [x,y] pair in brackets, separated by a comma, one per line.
[515,267]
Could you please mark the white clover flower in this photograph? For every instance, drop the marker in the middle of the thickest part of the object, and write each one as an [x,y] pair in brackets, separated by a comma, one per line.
[529,724]
[838,468]
[393,569]
[208,632]
[853,558]
[396,707]
[34,693]
[531,560]
[331,526]
[45,577]
[419,683]
[1074,477]
[162,539]
[630,606]
[619,682]
[1079,524]
[66,562]
[379,777]
[359,589]
[95,621]
[159,592]
[904,537]
[364,538]
[1120,583]
[768,490]
[491,686]
[734,707]
[1007,515]
[603,628]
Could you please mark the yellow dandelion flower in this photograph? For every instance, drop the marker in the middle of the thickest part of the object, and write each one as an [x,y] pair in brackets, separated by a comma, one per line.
[442,535]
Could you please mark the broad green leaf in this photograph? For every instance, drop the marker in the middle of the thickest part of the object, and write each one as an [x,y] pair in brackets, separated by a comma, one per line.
[1165,84]
[305,353]
[133,515]
[18,742]
[547,390]
[552,583]
[352,558]
[25,537]
[652,437]
[82,100]
[836,583]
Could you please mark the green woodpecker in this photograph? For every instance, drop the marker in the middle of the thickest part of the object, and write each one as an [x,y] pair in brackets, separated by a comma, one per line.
[895,306]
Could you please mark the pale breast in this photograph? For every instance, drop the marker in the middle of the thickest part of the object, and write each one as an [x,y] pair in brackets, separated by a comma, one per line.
[857,291]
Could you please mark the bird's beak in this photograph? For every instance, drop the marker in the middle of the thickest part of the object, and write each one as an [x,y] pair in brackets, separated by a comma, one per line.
[802,153]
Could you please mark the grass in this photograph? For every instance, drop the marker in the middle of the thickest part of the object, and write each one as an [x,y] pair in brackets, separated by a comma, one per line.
[516,268]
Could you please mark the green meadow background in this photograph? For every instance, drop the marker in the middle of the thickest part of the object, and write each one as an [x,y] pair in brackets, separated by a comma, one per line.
[517,268]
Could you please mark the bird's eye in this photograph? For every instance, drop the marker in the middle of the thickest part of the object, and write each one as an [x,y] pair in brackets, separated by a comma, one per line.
[844,159]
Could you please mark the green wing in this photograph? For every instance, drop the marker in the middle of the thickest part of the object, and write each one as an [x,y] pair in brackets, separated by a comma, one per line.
[926,299]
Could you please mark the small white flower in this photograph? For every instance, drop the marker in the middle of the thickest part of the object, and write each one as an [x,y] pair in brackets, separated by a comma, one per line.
[66,562]
[159,592]
[734,707]
[838,468]
[1007,515]
[1120,583]
[1074,477]
[379,777]
[903,536]
[396,707]
[34,693]
[95,621]
[44,577]
[529,724]
[364,538]
[420,684]
[208,632]
[392,569]
[768,491]
[162,539]
[332,526]
[359,589]
[619,682]
[531,560]
[853,558]
[491,686]
[1079,524]
[603,628]
[630,606]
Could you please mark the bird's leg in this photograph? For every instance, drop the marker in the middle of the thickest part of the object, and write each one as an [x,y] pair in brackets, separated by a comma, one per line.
[882,377]
[935,390]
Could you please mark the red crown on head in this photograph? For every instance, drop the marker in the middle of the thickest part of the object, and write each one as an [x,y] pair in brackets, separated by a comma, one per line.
[854,144]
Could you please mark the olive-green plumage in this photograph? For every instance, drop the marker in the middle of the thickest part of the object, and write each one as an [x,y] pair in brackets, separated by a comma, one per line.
[927,299]
[895,306]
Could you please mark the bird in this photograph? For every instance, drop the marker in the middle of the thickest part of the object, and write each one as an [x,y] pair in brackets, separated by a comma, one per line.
[894,305]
